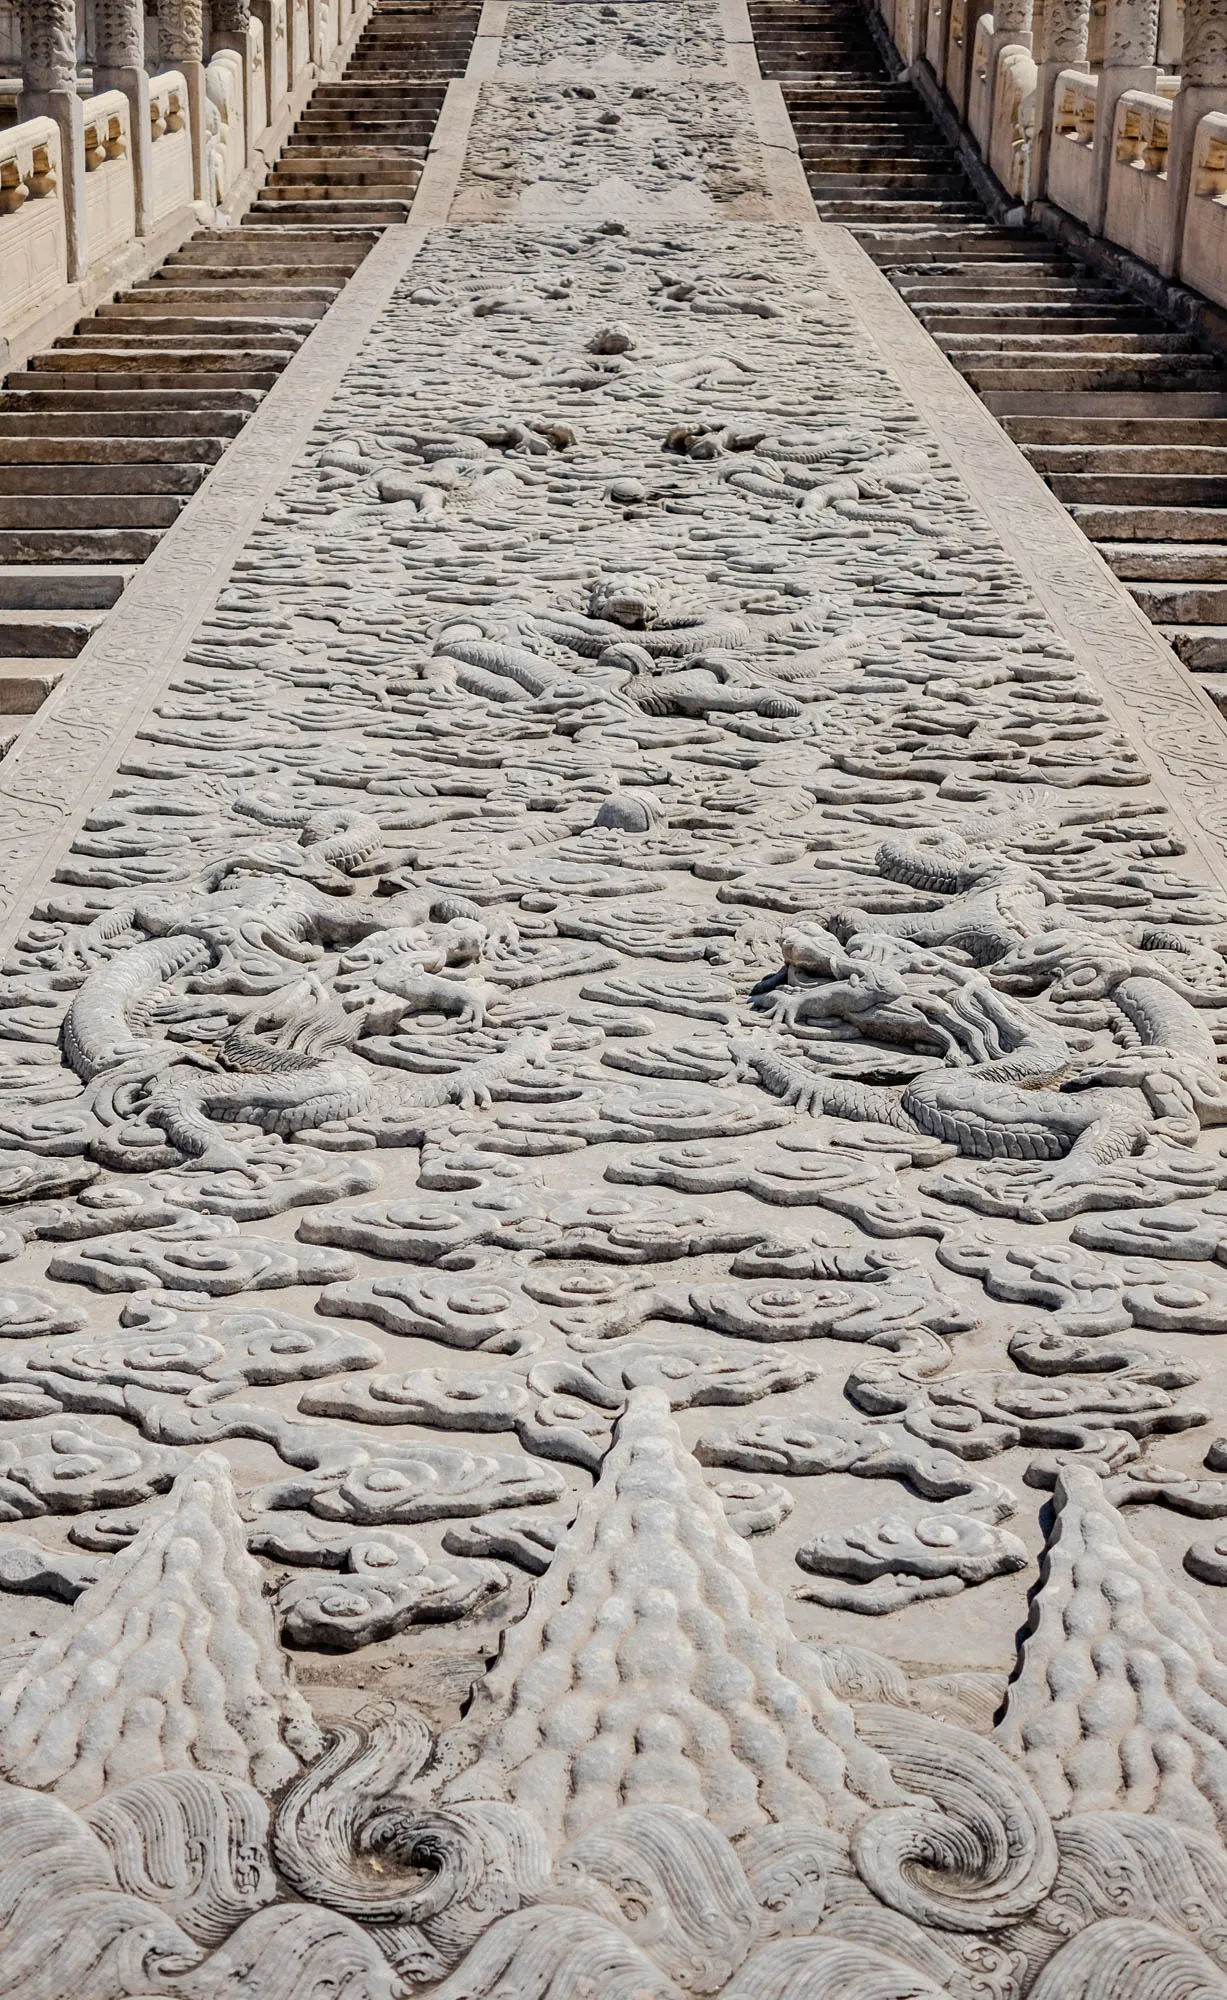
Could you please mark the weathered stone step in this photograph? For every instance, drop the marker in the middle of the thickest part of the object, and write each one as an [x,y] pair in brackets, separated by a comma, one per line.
[196,361]
[154,332]
[62,587]
[860,216]
[42,449]
[1201,647]
[251,247]
[1188,603]
[66,510]
[1110,404]
[33,545]
[24,687]
[896,251]
[49,635]
[76,405]
[358,171]
[1139,461]
[1152,524]
[942,292]
[381,188]
[1023,348]
[150,381]
[240,281]
[1074,432]
[1154,372]
[1167,562]
[227,304]
[320,133]
[69,480]
[325,211]
[1076,325]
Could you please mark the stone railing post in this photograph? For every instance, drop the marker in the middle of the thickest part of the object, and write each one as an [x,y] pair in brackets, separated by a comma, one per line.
[232,30]
[1011,29]
[1131,37]
[1061,44]
[119,64]
[49,90]
[181,47]
[1203,88]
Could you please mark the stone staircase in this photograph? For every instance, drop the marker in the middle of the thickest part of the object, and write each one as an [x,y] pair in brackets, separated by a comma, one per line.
[357,152]
[105,435]
[1123,414]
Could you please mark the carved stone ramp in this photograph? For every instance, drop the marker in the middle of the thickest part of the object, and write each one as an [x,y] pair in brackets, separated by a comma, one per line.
[611,1146]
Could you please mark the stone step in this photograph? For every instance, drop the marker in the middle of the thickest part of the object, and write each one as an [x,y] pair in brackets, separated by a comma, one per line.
[399,189]
[71,545]
[1089,372]
[327,136]
[97,359]
[941,293]
[863,187]
[1159,490]
[46,635]
[860,216]
[379,93]
[1175,603]
[1140,461]
[1201,647]
[1073,433]
[179,332]
[265,280]
[250,247]
[1167,562]
[152,381]
[382,212]
[122,413]
[89,510]
[401,170]
[62,587]
[72,480]
[1077,328]
[1152,524]
[896,252]
[167,304]
[24,687]
[1109,404]
[1023,348]
[90,453]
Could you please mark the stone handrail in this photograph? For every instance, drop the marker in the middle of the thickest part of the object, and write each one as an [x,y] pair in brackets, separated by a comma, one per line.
[1137,158]
[171,145]
[1203,260]
[33,233]
[979,109]
[1071,157]
[1139,196]
[110,196]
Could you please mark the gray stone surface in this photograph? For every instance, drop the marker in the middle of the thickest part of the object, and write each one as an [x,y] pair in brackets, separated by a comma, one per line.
[657,897]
